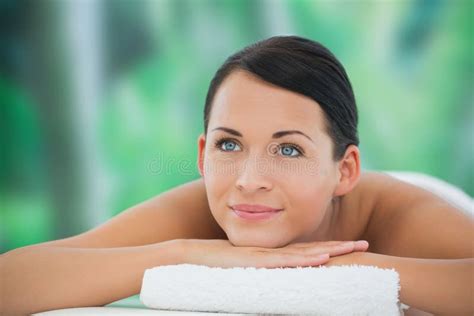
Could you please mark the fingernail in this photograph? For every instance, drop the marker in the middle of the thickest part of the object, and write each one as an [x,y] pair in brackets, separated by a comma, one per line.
[362,243]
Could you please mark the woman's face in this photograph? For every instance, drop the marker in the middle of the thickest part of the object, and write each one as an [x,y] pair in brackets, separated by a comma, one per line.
[266,145]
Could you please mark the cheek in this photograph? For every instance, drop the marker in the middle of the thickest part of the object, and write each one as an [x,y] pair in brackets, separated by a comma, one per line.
[219,169]
[218,180]
[308,196]
[307,193]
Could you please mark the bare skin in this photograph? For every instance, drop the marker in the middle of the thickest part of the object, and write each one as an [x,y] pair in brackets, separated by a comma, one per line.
[362,214]
[368,212]
[338,203]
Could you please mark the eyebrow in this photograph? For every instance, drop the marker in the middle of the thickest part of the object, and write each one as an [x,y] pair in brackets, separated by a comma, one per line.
[274,135]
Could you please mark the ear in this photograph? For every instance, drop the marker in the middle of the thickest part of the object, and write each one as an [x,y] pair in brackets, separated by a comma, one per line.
[348,171]
[201,145]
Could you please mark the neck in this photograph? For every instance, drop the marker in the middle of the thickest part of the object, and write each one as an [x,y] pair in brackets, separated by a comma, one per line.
[326,230]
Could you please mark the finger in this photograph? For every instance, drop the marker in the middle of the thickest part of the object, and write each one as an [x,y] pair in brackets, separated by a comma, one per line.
[334,249]
[361,245]
[347,247]
[314,244]
[291,260]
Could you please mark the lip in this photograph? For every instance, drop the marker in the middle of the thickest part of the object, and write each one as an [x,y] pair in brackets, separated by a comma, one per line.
[254,208]
[255,212]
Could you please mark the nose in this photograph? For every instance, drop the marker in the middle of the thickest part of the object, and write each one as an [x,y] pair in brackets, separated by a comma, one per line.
[253,176]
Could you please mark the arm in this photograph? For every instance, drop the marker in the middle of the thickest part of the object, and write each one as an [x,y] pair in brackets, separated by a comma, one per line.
[439,286]
[179,213]
[425,238]
[46,278]
[108,261]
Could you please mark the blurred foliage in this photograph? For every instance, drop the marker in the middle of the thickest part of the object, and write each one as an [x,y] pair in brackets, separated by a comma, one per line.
[81,143]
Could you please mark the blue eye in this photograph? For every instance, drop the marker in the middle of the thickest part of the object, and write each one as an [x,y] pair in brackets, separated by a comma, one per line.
[289,150]
[227,145]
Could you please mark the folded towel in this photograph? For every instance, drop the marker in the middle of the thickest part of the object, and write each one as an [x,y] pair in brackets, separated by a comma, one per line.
[335,290]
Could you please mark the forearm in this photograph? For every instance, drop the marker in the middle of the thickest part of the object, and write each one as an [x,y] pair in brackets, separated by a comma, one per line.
[46,278]
[438,286]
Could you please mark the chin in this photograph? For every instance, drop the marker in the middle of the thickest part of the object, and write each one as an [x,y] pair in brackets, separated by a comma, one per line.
[261,242]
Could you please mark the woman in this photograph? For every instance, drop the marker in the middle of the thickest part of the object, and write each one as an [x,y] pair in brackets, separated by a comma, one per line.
[281,186]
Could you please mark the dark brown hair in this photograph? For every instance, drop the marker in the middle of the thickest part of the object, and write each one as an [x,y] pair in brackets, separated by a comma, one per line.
[302,66]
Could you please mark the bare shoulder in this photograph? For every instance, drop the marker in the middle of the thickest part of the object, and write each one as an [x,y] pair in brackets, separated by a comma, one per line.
[364,200]
[403,219]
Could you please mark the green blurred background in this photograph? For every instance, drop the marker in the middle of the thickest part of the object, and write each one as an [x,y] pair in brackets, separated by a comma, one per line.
[101,101]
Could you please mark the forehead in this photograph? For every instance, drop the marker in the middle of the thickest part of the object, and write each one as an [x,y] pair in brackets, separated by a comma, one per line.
[244,101]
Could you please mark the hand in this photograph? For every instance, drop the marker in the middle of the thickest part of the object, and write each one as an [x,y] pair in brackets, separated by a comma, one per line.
[221,253]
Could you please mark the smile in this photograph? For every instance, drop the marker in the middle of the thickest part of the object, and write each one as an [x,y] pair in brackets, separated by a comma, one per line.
[255,212]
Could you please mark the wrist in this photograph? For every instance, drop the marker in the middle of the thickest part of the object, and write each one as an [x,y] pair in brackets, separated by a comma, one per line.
[168,252]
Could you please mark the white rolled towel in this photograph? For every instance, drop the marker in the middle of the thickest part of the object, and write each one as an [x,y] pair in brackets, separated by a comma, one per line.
[336,290]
